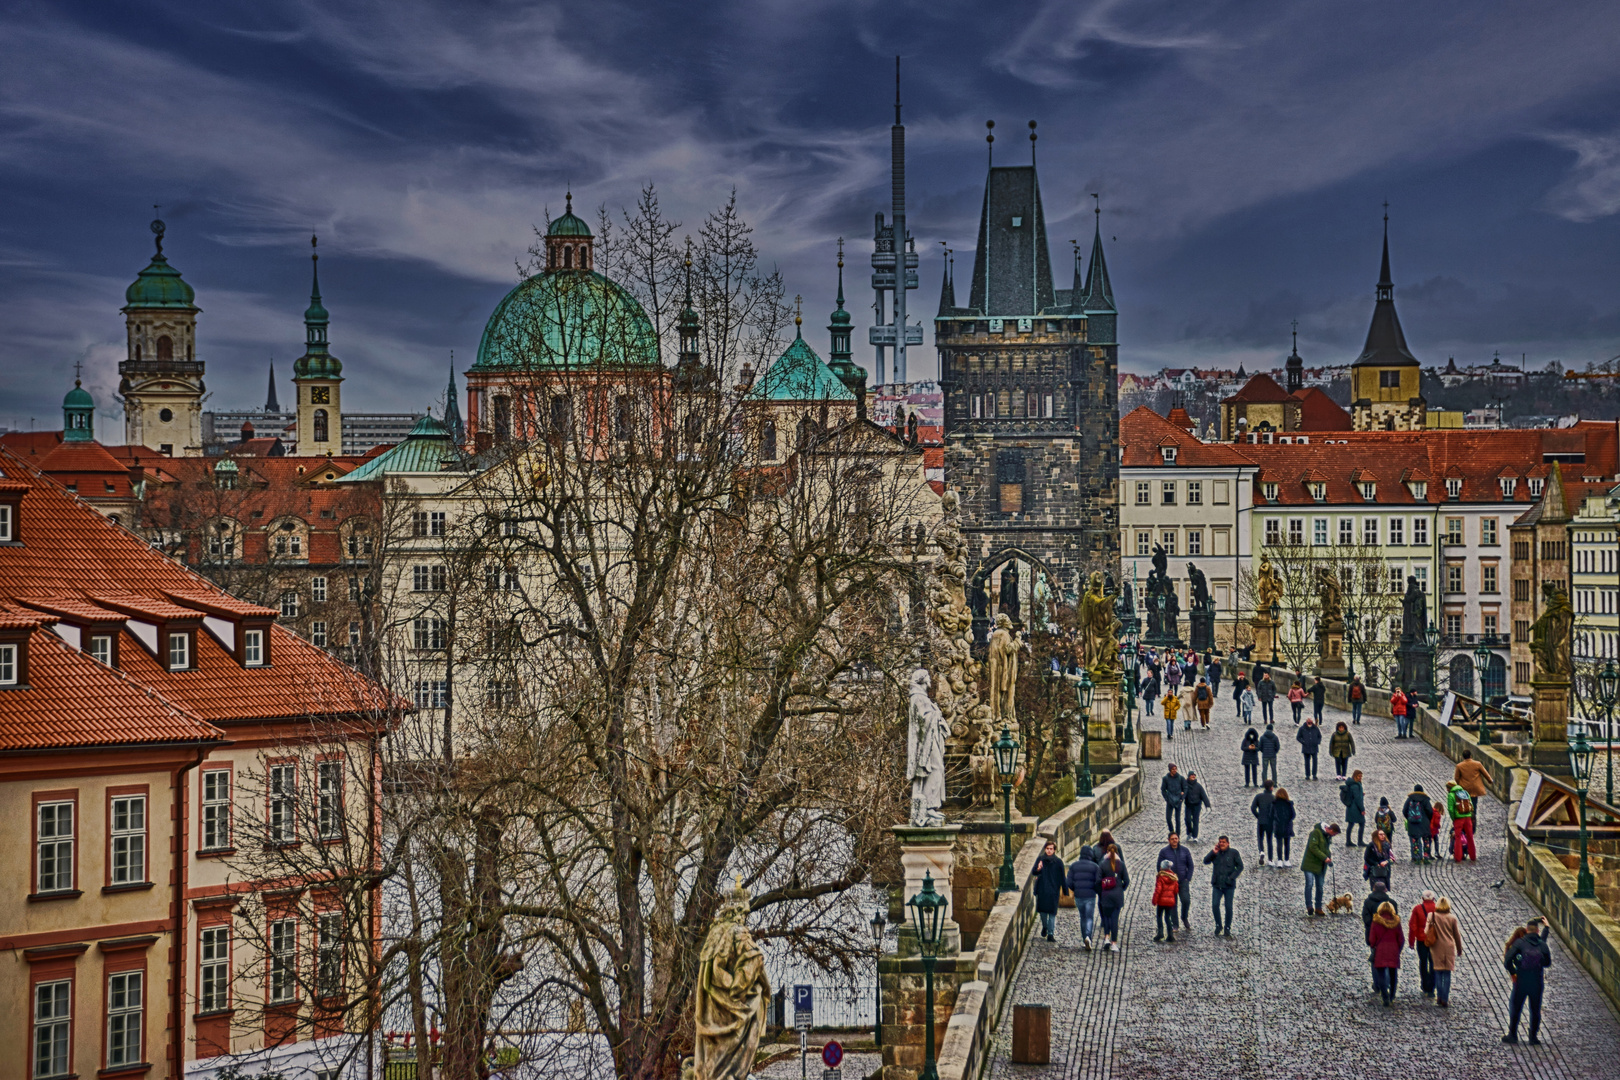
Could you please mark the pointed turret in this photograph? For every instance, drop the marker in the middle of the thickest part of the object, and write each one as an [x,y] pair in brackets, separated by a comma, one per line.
[1295,365]
[317,376]
[452,407]
[270,403]
[839,355]
[947,284]
[689,373]
[1386,342]
[1098,304]
[1385,382]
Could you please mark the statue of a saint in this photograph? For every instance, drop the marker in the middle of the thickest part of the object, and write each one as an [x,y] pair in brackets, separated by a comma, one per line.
[1098,628]
[1003,671]
[1414,612]
[1199,586]
[732,995]
[1549,635]
[1268,588]
[925,753]
[1330,594]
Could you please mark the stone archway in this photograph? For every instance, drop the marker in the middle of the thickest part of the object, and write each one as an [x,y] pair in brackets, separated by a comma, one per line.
[1010,581]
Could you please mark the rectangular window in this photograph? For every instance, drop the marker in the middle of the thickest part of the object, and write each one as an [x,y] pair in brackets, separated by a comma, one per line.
[128,832]
[8,665]
[354,588]
[1144,544]
[317,590]
[283,960]
[1487,578]
[1454,530]
[5,521]
[1397,579]
[216,809]
[1168,539]
[253,648]
[124,1009]
[419,523]
[1010,481]
[354,634]
[101,649]
[1144,493]
[329,955]
[1420,531]
[1319,532]
[1369,531]
[1195,541]
[429,694]
[317,633]
[1296,530]
[53,1024]
[1488,625]
[1167,493]
[1389,380]
[1195,493]
[436,523]
[289,603]
[1454,579]
[179,652]
[1487,530]
[329,809]
[1222,492]
[1422,575]
[1347,530]
[214,959]
[1273,532]
[500,693]
[427,634]
[283,806]
[1453,626]
[53,846]
[1397,531]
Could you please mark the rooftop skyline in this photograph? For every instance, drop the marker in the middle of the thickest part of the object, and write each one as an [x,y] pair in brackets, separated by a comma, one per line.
[1241,157]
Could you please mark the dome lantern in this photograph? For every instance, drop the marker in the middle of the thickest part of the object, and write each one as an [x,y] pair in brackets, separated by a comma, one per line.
[569,243]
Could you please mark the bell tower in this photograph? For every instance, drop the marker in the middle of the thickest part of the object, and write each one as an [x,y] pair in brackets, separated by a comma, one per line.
[318,377]
[161,380]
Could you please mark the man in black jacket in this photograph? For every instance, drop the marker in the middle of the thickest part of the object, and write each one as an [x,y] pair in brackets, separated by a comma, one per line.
[1261,809]
[1174,789]
[1228,865]
[1270,747]
[1309,737]
[1180,860]
[1197,798]
[1266,691]
[1318,697]
[1417,810]
[1526,960]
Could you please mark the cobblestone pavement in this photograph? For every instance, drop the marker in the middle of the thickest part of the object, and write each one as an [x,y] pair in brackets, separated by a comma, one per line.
[1288,996]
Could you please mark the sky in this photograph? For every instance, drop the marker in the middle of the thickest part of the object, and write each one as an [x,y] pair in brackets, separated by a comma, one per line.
[1243,153]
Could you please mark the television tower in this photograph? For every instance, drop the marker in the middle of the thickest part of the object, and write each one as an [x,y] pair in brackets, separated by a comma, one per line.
[889,243]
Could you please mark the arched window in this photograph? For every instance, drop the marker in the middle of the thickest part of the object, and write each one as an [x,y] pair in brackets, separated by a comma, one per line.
[165,349]
[137,352]
[320,425]
[503,418]
[767,441]
[568,258]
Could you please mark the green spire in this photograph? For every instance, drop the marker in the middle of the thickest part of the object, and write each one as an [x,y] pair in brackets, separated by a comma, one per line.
[317,361]
[851,374]
[78,413]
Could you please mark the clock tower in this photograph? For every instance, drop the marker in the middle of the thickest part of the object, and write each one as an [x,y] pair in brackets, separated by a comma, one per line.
[318,378]
[161,380]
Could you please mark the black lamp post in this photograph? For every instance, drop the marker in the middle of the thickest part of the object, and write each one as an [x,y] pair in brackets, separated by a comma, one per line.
[1083,693]
[878,922]
[1131,663]
[1482,663]
[1431,637]
[1350,638]
[1608,682]
[1276,629]
[1580,763]
[1006,751]
[928,914]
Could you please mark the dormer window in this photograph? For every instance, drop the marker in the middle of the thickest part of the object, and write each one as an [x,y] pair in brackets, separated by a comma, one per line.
[100,648]
[1419,489]
[180,650]
[8,522]
[1535,487]
[1269,490]
[1453,487]
[1509,483]
[11,664]
[1368,489]
[1169,453]
[253,648]
[1318,490]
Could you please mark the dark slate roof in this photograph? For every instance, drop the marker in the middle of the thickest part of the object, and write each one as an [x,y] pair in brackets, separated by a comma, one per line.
[1099,293]
[1012,269]
[1386,344]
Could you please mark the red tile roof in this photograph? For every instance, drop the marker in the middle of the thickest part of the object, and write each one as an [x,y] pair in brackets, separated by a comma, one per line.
[1260,389]
[1142,432]
[1318,412]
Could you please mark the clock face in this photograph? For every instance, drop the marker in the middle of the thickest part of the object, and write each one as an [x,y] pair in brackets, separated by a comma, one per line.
[320,395]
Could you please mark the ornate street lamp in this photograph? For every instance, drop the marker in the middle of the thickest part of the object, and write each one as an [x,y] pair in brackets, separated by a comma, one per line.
[1608,687]
[1083,692]
[1350,624]
[1276,629]
[1580,763]
[1006,751]
[1132,662]
[1482,664]
[1431,637]
[878,922]
[928,914]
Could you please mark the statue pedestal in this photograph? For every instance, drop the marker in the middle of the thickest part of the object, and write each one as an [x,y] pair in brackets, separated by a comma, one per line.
[1330,661]
[1203,630]
[1417,670]
[1265,639]
[931,850]
[1549,723]
[1104,729]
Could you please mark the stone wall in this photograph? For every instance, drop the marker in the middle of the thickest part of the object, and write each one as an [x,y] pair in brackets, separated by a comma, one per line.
[1589,932]
[979,853]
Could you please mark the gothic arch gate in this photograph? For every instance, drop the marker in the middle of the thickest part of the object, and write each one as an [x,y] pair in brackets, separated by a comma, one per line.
[1014,582]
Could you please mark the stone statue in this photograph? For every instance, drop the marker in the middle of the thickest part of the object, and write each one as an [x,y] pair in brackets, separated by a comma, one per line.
[1549,635]
[1268,588]
[1329,593]
[1161,562]
[1010,600]
[1164,609]
[1098,630]
[1003,672]
[925,753]
[953,608]
[732,995]
[1414,612]
[1201,600]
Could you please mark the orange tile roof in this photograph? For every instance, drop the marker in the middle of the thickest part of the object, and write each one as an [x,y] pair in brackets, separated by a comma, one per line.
[1142,432]
[1260,389]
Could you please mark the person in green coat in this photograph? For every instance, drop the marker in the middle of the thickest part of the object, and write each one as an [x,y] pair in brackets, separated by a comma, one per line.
[1341,747]
[1318,857]
[1355,810]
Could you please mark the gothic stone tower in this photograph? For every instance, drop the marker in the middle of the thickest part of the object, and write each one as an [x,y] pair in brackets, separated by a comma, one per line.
[161,379]
[1031,416]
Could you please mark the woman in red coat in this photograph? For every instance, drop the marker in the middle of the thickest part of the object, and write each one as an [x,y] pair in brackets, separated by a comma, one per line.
[1387,941]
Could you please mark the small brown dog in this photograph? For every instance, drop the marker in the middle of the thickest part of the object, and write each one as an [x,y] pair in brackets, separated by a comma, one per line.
[1340,903]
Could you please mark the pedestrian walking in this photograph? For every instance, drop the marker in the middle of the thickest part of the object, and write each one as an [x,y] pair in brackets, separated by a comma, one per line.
[1342,747]
[1246,705]
[1172,705]
[1358,697]
[1445,946]
[1111,894]
[1282,825]
[1173,789]
[1471,776]
[1266,691]
[1417,810]
[1314,863]
[1437,817]
[1270,745]
[1386,941]
[1309,737]
[1378,859]
[1261,809]
[1165,888]
[1150,691]
[1193,805]
[1251,758]
[1203,700]
[1049,875]
[1318,699]
[1355,810]
[1180,860]
[1240,683]
[1081,881]
[1212,668]
[1460,808]
[1172,674]
[1384,819]
[1418,937]
[1527,961]
[1228,865]
[1398,705]
[1369,907]
[1296,701]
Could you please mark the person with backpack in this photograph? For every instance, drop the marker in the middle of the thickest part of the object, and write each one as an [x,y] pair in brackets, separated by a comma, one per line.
[1387,942]
[1266,691]
[1445,945]
[1296,701]
[1270,745]
[1165,889]
[1317,858]
[1309,737]
[1342,747]
[1111,894]
[1384,819]
[1378,860]
[1527,961]
[1172,673]
[1318,699]
[1355,809]
[1460,808]
[1197,799]
[1173,789]
[1398,704]
[1282,825]
[1204,700]
[1358,697]
[1416,810]
[1251,758]
[1261,809]
[1419,936]
[1172,706]
[1228,865]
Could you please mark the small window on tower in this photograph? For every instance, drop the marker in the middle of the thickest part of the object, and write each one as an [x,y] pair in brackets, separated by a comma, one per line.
[319,425]
[165,348]
[1389,380]
[166,415]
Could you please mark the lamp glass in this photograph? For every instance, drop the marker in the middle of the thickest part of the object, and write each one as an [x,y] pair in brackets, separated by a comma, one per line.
[1085,691]
[1431,634]
[1580,758]
[1276,611]
[1608,685]
[1006,751]
[878,923]
[927,914]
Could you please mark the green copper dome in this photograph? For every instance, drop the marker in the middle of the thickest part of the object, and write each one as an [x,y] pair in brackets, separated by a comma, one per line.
[567,318]
[78,398]
[160,286]
[569,225]
[799,375]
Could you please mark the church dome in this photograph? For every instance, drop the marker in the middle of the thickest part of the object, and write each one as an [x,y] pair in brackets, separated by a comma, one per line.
[569,224]
[566,319]
[160,286]
[78,398]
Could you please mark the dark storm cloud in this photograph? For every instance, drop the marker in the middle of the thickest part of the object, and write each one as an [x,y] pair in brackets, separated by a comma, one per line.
[1242,151]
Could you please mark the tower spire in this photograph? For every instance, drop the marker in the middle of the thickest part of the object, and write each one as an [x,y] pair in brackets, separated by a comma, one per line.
[1386,285]
[271,405]
[452,408]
